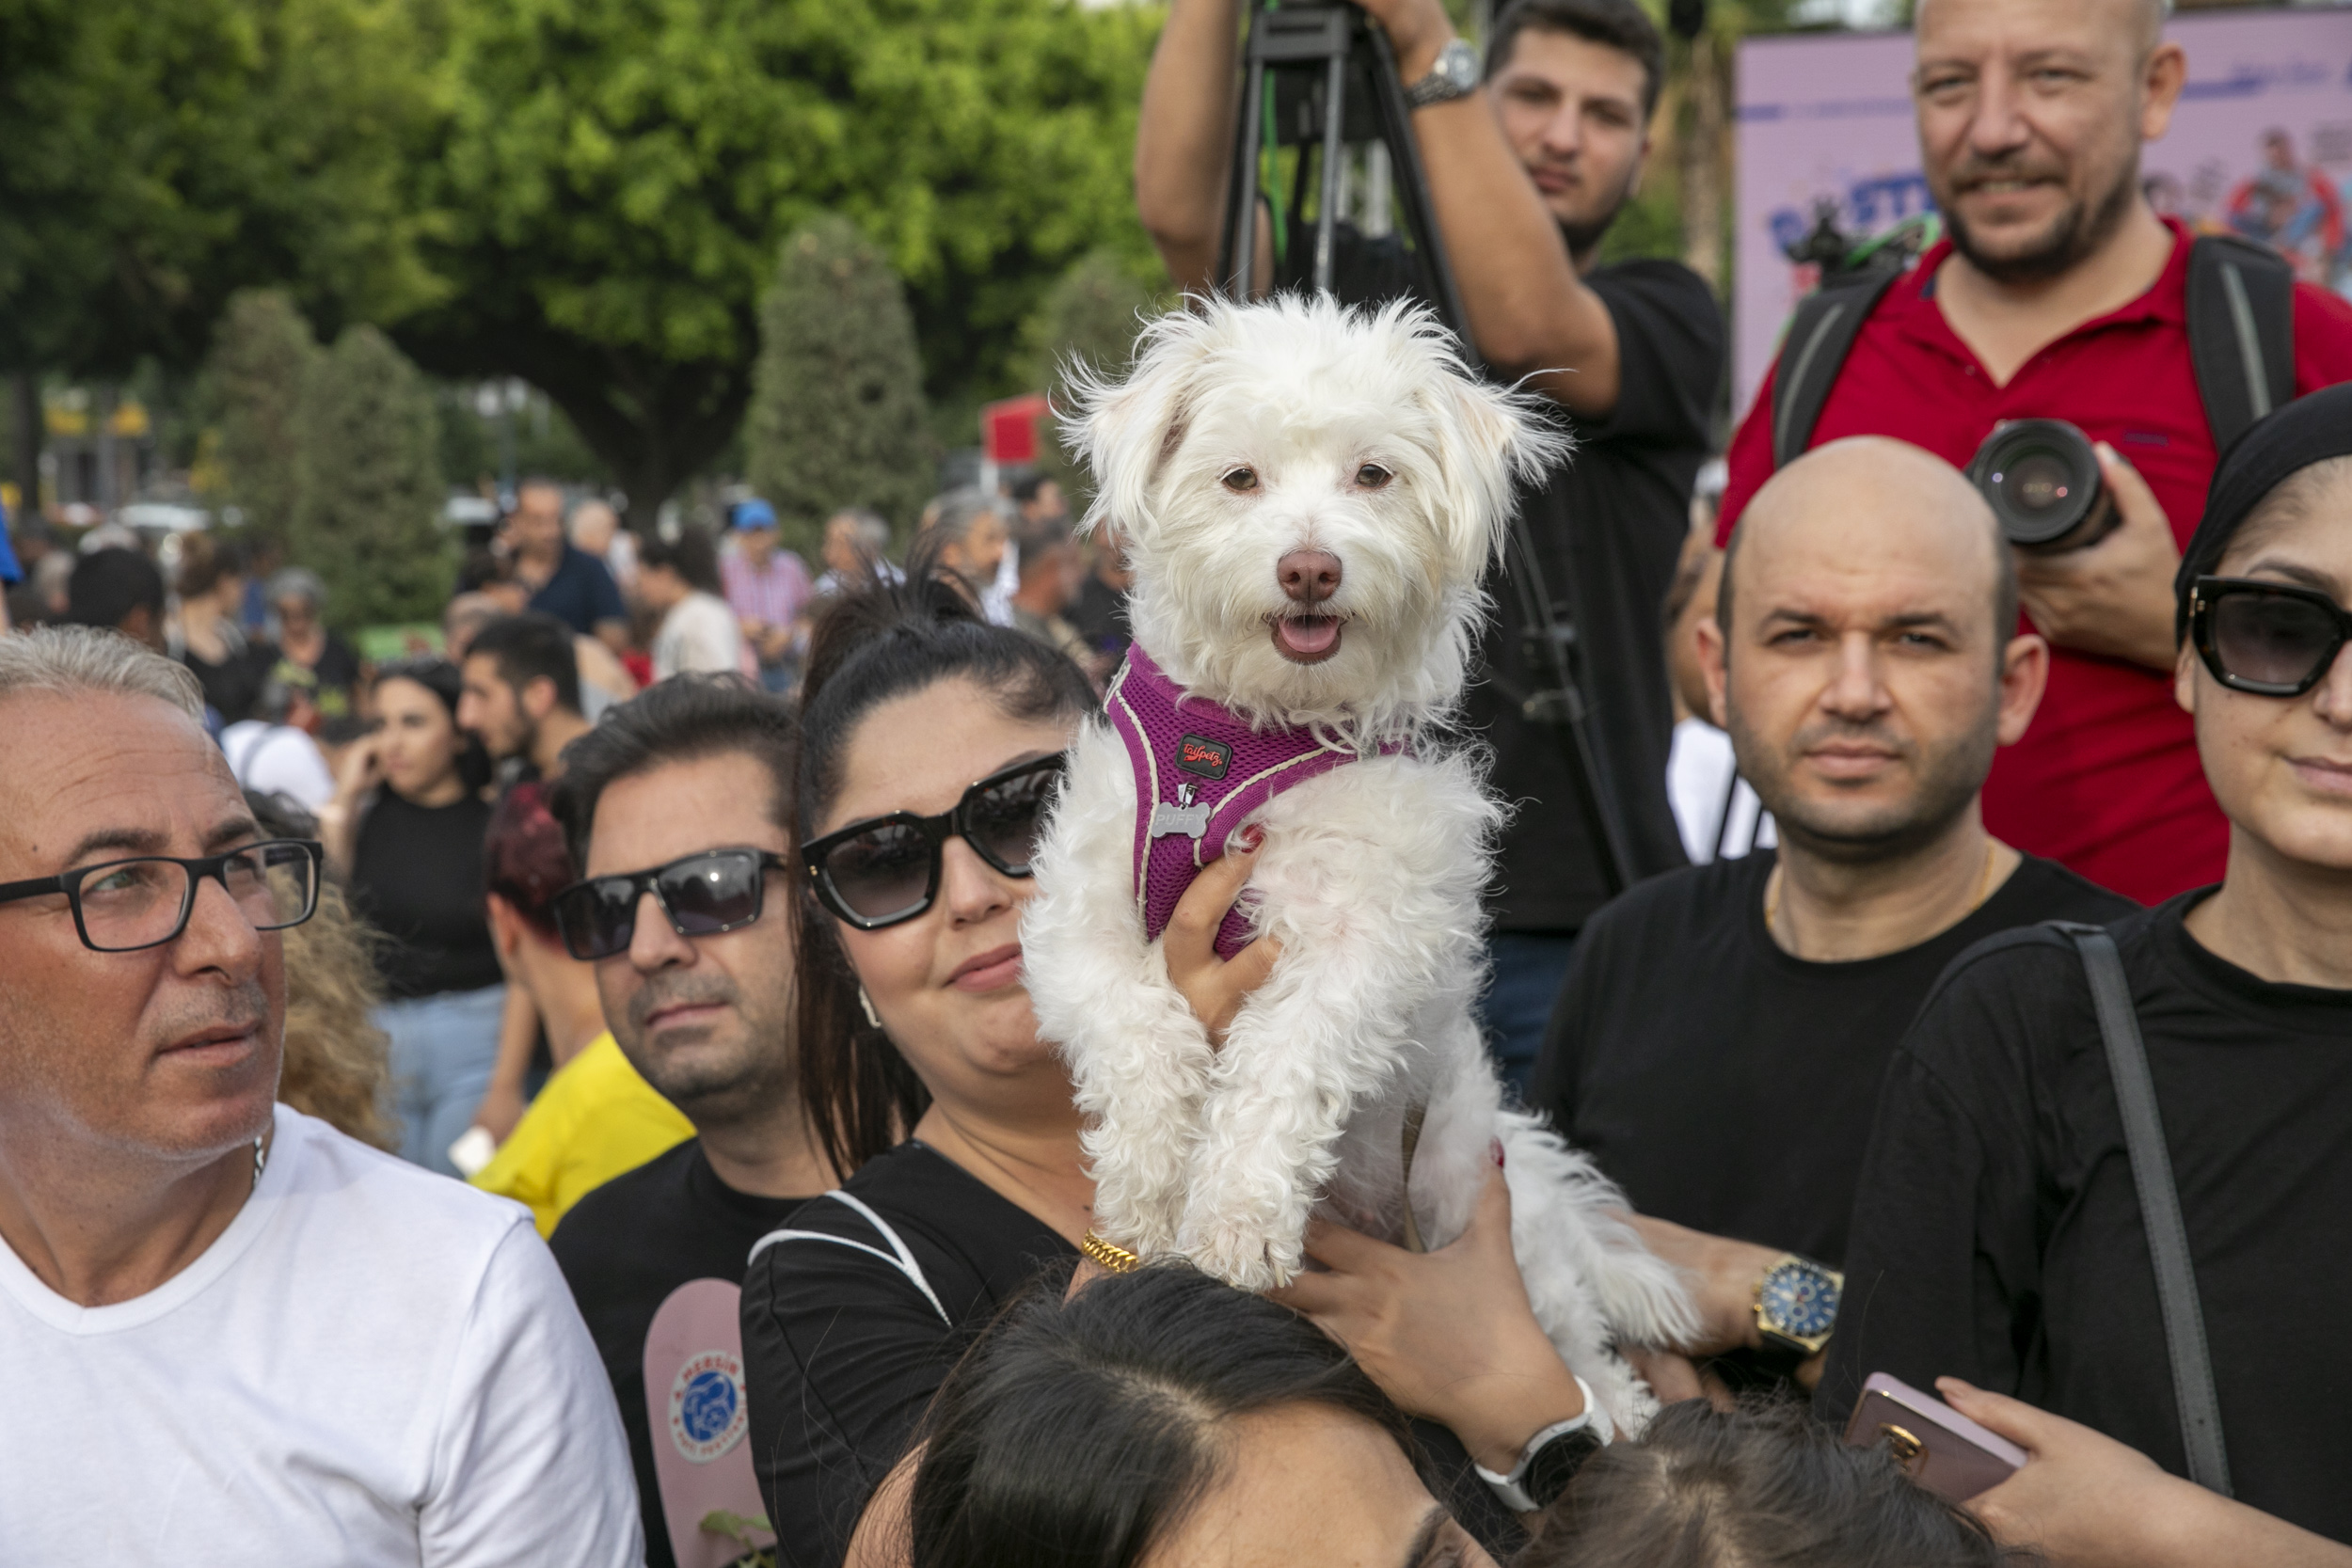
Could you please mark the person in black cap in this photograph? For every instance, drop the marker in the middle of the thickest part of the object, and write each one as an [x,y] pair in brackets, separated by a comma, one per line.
[2000,1235]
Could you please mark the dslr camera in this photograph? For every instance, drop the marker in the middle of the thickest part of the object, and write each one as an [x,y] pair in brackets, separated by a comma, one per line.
[2041,477]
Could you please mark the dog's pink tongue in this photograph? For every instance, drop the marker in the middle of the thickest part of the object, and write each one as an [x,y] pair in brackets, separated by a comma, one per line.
[1309,634]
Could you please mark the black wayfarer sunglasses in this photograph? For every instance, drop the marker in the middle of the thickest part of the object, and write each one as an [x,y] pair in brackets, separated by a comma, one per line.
[2265,637]
[887,869]
[704,894]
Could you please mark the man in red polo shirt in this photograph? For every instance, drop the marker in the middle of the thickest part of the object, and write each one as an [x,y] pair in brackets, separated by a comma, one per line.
[2059,294]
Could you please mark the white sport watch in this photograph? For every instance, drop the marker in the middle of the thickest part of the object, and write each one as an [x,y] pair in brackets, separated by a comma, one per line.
[1454,75]
[1551,1458]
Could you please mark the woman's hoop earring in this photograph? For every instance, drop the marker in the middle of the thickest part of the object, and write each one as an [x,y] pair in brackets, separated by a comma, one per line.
[866,1002]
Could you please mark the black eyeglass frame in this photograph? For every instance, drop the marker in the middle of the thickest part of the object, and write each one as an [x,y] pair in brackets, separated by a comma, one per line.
[198,869]
[642,882]
[2208,592]
[953,822]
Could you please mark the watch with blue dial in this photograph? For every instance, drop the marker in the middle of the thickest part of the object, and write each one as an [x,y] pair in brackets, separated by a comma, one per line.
[1796,1305]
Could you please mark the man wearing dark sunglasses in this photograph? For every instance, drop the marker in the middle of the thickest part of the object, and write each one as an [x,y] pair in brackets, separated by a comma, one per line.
[304,1350]
[675,808]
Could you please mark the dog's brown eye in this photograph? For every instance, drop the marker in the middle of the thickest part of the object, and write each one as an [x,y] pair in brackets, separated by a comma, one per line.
[1372,476]
[1242,479]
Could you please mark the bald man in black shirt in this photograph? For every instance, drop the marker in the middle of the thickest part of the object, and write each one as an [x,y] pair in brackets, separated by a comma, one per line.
[1719,1043]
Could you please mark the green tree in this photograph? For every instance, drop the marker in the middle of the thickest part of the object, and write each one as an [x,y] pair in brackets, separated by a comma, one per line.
[368,520]
[153,159]
[1090,317]
[836,414]
[254,382]
[616,179]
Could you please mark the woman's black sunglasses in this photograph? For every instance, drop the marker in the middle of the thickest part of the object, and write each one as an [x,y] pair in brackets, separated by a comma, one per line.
[885,870]
[2266,637]
[718,890]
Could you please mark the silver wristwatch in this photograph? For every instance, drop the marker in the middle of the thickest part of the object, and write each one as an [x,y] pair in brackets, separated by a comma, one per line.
[1455,74]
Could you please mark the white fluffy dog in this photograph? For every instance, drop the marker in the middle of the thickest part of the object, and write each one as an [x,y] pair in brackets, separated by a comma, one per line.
[1309,498]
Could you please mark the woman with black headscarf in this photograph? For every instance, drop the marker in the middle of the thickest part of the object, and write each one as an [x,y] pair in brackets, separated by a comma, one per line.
[2000,1234]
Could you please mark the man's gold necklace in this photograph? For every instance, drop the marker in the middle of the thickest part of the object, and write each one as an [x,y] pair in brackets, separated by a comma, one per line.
[1984,888]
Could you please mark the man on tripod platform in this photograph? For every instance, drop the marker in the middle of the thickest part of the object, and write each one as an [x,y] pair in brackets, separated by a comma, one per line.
[1529,156]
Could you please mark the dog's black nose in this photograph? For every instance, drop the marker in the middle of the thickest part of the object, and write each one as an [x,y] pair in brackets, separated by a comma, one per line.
[1309,576]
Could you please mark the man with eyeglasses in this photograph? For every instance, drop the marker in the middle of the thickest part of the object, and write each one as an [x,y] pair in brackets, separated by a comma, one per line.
[675,809]
[228,1333]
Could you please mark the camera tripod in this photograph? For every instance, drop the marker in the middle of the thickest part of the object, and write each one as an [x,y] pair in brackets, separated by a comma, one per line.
[1317,80]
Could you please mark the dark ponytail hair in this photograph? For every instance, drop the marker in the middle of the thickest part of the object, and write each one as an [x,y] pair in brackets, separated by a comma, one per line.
[887,636]
[1079,1433]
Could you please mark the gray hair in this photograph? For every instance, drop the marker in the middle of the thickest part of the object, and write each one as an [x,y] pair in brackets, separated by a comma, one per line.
[960,509]
[299,582]
[70,660]
[870,527]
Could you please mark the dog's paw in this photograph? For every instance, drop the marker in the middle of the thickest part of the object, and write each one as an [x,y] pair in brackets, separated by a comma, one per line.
[1242,1258]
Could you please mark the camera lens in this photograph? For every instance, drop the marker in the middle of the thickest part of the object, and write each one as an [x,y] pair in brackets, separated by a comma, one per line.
[2041,480]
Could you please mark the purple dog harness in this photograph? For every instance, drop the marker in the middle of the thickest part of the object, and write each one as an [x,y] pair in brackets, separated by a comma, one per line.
[1200,770]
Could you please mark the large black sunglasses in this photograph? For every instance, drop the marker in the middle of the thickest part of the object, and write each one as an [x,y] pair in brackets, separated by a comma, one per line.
[885,869]
[2265,637]
[704,894]
[126,905]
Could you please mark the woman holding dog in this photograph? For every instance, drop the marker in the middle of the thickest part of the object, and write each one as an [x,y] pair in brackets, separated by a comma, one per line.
[930,744]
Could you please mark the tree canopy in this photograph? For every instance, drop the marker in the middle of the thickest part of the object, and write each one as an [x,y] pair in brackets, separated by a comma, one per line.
[153,159]
[614,180]
[253,383]
[368,514]
[1090,317]
[837,416]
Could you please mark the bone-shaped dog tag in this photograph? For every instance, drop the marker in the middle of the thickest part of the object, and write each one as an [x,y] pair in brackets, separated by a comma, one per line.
[1182,818]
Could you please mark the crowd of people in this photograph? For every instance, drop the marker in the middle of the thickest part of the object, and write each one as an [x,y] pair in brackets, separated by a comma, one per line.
[675,897]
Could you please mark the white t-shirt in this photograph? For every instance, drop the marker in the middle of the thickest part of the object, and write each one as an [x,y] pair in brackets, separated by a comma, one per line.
[699,634]
[277,759]
[373,1365]
[1713,804]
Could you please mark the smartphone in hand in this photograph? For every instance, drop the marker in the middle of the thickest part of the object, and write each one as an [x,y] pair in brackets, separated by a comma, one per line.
[1936,1446]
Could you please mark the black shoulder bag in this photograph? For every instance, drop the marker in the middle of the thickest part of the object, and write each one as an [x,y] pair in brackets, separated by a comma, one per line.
[2159,1204]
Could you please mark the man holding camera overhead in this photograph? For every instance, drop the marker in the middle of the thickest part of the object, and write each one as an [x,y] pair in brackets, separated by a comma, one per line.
[2059,294]
[1529,156]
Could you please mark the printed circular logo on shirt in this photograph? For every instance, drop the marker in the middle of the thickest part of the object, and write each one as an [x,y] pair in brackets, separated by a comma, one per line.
[708,1415]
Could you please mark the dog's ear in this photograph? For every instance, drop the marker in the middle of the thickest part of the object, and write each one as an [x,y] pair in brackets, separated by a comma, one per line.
[1488,439]
[1126,431]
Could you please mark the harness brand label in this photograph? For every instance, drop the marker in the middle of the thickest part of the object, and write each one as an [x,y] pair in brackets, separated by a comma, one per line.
[1199,754]
[707,1416]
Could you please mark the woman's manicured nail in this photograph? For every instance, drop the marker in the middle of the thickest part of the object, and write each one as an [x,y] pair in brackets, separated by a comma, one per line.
[1249,838]
[1494,1152]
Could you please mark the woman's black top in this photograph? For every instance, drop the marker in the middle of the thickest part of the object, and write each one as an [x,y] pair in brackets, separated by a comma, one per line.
[234,684]
[416,877]
[843,1350]
[1998,1233]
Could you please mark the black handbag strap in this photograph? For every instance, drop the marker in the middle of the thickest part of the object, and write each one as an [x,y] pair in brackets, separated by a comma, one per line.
[2159,1207]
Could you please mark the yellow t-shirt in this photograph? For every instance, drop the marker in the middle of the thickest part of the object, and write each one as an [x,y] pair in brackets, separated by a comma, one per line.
[594,1119]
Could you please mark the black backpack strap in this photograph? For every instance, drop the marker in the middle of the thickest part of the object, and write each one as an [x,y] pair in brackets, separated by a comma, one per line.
[2241,331]
[1821,335]
[2159,1206]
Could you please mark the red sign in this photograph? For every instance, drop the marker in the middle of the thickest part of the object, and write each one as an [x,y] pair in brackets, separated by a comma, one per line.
[1008,429]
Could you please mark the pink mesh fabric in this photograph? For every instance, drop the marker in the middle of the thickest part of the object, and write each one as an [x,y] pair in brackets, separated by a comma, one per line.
[1200,770]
